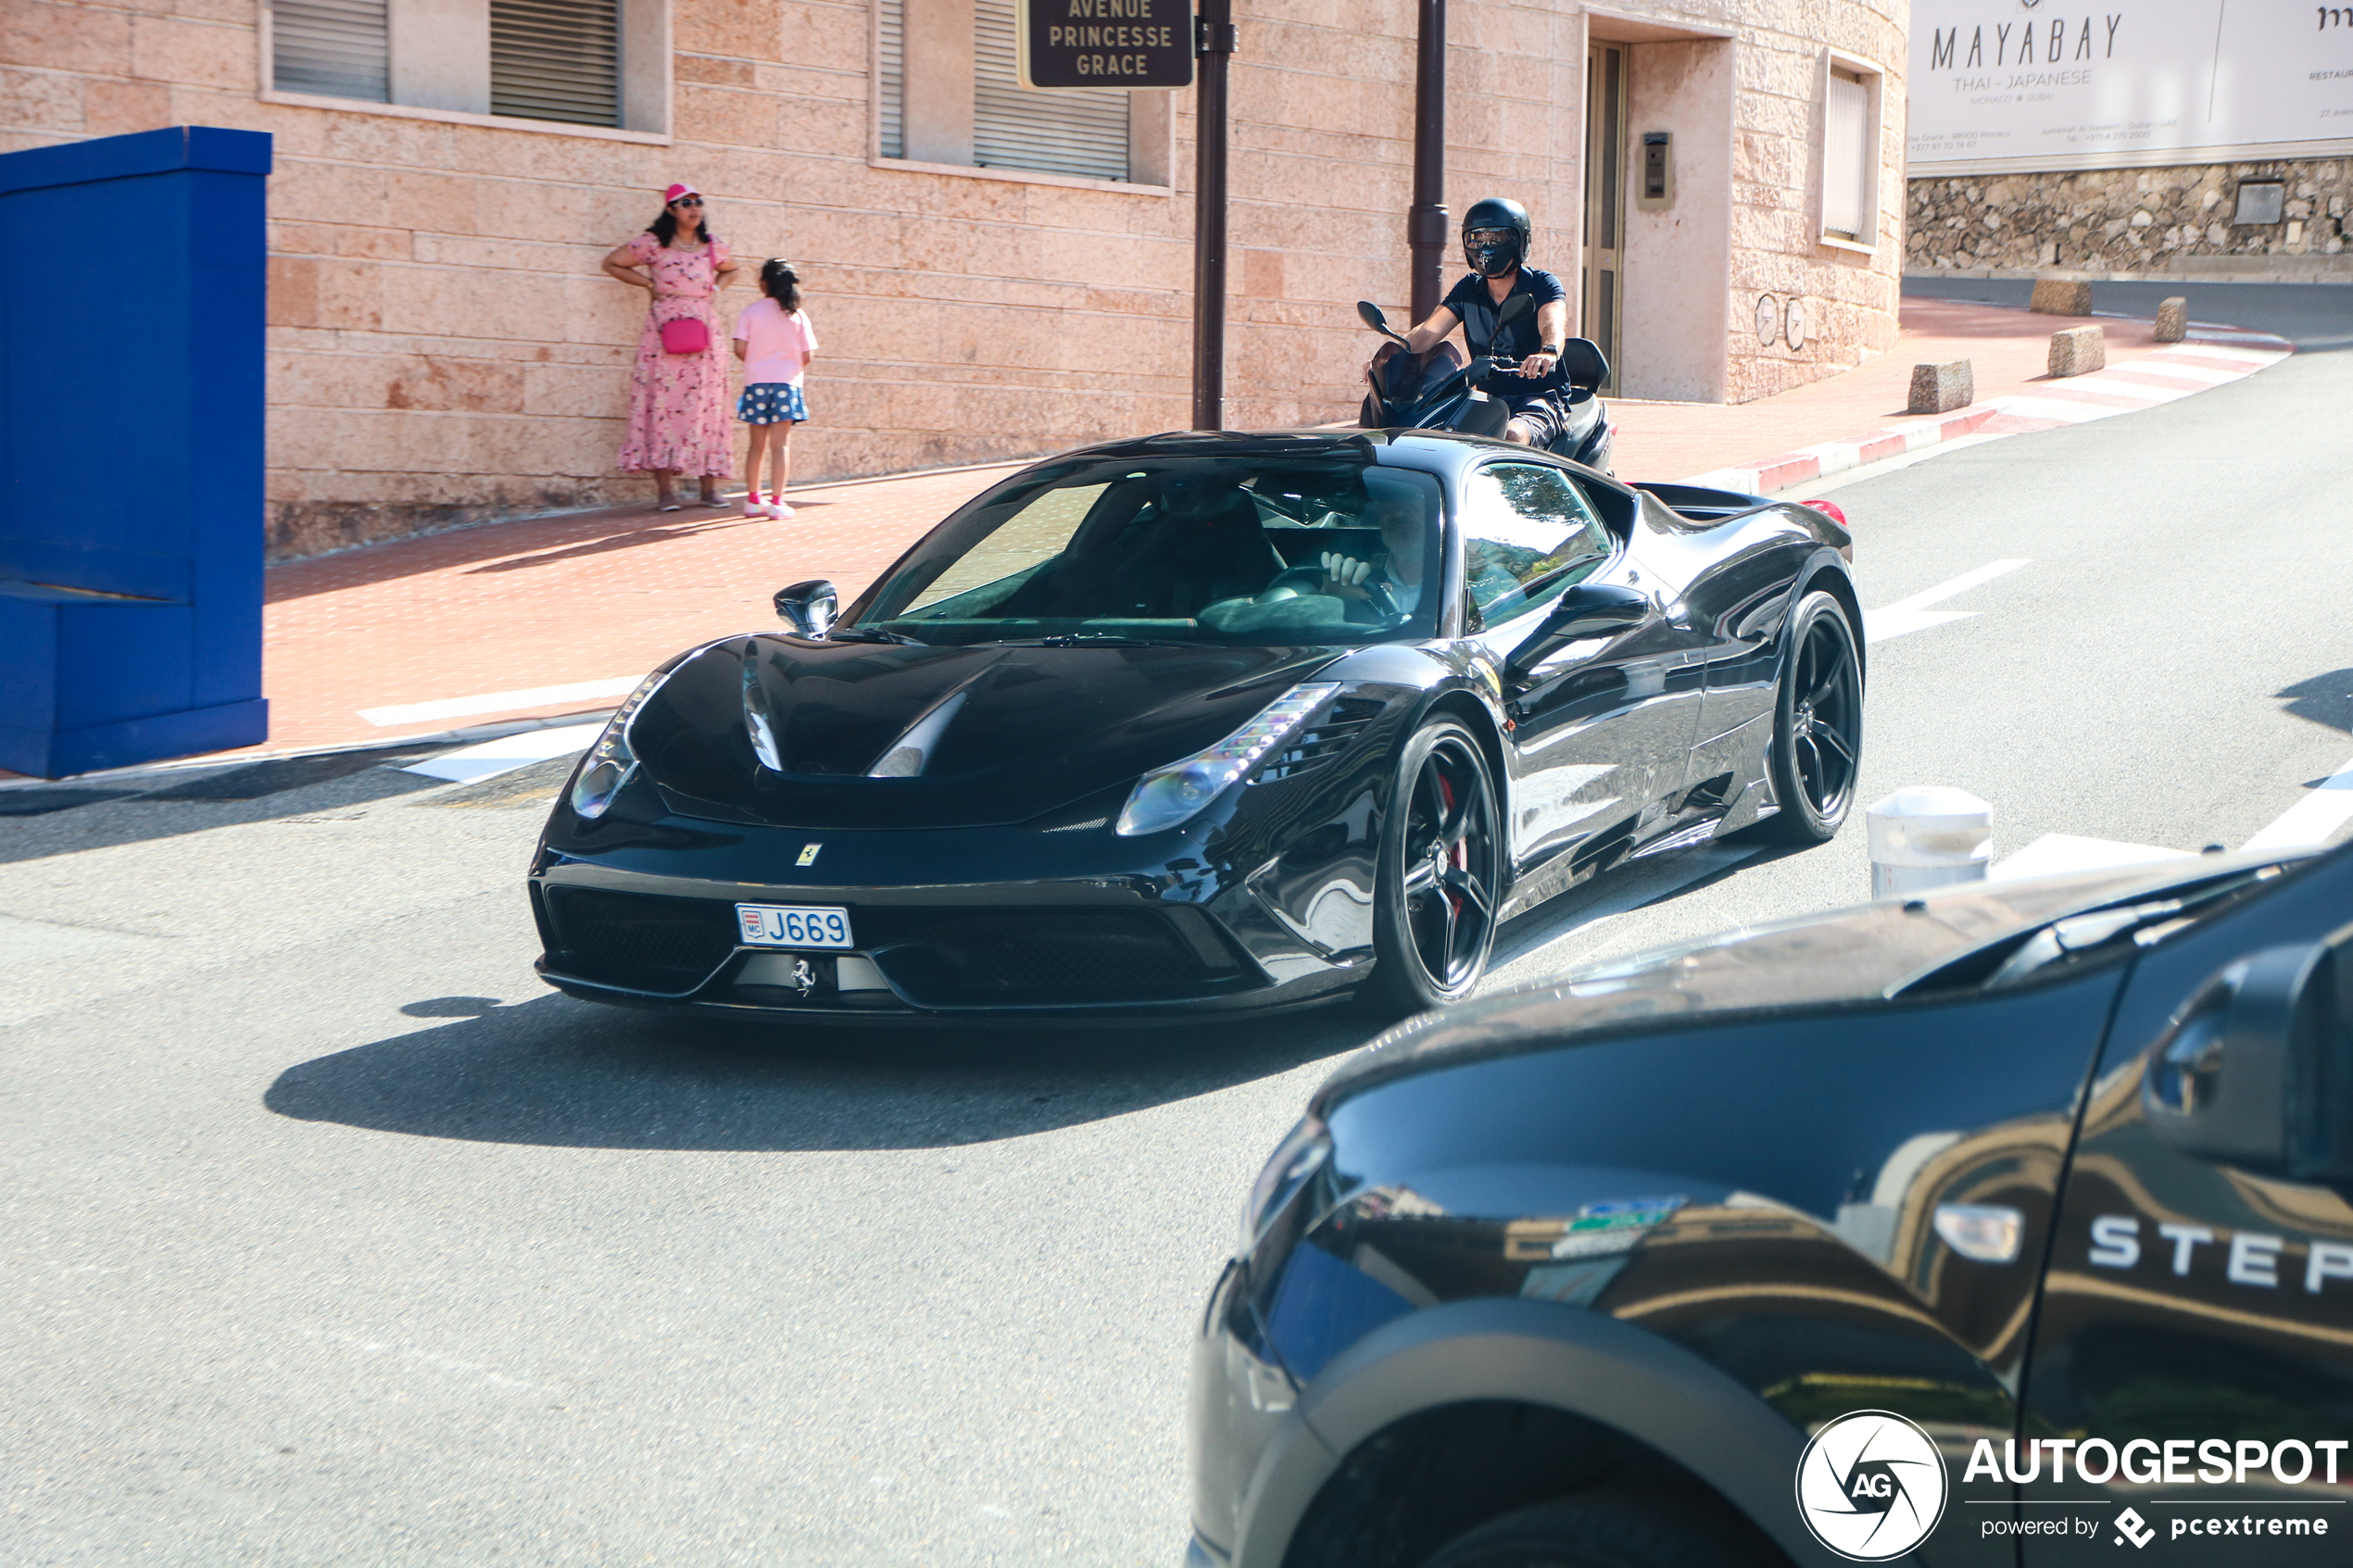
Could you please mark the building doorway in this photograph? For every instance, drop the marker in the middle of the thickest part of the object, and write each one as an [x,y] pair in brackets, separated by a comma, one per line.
[1605,199]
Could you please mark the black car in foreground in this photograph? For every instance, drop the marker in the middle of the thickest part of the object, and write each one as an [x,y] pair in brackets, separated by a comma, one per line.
[1205,723]
[2006,1226]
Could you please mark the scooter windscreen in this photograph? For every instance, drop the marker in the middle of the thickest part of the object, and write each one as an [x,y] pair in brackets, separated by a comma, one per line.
[1401,380]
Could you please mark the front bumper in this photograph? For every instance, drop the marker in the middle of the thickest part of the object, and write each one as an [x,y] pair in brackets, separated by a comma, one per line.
[1008,922]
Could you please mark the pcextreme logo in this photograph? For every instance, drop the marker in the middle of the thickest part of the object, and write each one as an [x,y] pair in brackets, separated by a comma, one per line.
[1870,1486]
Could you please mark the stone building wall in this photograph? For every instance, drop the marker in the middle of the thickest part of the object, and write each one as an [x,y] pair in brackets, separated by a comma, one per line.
[1850,296]
[2113,222]
[443,349]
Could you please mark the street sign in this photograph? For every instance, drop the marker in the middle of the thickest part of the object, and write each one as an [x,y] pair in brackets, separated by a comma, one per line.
[1134,45]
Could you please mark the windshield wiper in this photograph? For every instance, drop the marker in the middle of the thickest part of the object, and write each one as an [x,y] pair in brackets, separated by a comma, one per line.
[873,634]
[2078,937]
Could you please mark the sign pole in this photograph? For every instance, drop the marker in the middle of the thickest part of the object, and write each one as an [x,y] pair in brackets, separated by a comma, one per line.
[1426,224]
[1214,42]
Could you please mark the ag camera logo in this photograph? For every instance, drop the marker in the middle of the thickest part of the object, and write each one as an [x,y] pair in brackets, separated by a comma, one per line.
[1870,1486]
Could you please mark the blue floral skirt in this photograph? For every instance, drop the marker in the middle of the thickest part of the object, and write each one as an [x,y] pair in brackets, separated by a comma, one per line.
[772,403]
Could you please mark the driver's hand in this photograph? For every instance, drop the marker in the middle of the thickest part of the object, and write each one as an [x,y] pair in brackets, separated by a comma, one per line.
[1344,574]
[1539,365]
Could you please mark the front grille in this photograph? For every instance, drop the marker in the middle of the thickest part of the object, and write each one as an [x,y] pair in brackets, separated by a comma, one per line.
[1321,741]
[645,943]
[1020,957]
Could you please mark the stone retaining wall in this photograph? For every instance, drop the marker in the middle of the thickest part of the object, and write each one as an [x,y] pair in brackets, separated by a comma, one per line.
[2113,220]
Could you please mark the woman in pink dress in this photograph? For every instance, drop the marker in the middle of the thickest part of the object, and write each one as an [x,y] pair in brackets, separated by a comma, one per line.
[677,402]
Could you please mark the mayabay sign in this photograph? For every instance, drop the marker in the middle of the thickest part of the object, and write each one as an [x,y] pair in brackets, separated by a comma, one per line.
[1130,44]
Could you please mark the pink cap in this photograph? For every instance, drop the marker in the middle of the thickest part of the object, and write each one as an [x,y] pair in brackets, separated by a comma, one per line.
[675,192]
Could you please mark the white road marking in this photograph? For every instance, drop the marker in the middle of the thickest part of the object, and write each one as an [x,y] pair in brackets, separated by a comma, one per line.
[507,753]
[1913,614]
[2312,818]
[499,702]
[2056,852]
[2060,410]
[2157,365]
[2120,387]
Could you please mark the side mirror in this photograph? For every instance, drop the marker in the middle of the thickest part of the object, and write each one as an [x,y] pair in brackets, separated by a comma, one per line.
[1586,610]
[2257,1069]
[1372,315]
[1512,310]
[808,607]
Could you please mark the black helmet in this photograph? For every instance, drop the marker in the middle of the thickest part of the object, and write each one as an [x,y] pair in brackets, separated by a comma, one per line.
[1495,212]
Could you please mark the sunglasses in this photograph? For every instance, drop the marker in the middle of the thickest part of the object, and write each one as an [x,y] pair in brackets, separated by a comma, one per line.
[688,201]
[1491,236]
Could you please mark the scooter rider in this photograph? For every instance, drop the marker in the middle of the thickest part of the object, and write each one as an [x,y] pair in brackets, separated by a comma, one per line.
[1495,242]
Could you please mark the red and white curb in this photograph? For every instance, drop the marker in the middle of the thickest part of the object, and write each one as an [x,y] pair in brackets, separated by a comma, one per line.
[2208,356]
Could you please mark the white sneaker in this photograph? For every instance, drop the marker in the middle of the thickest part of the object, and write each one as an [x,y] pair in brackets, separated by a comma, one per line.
[777,509]
[753,506]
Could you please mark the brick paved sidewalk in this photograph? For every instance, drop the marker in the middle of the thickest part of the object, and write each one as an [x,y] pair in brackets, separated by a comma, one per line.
[562,614]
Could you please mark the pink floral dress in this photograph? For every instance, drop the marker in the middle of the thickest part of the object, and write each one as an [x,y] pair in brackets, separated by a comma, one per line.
[678,402]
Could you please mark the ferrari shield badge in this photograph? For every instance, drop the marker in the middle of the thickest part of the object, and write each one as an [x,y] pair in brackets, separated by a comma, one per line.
[808,853]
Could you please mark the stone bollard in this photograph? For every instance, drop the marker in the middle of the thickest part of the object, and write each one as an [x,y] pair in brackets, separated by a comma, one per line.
[2075,350]
[2061,296]
[2172,320]
[1940,389]
[1926,836]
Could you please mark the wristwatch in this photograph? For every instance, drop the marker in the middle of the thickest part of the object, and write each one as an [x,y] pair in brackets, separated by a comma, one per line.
[1552,348]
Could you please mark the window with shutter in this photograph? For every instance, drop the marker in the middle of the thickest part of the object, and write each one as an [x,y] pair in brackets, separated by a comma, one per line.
[1082,132]
[890,75]
[1846,167]
[341,48]
[555,59]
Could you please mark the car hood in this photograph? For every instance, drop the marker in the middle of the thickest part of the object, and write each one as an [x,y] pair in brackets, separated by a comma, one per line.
[1033,728]
[1861,954]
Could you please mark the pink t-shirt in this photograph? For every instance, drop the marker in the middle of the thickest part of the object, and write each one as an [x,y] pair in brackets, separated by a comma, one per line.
[776,344]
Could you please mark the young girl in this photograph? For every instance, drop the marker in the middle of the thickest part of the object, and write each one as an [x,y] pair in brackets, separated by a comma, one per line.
[776,343]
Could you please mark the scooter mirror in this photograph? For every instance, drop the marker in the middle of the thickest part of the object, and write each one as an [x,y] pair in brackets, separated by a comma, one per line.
[1372,316]
[1511,310]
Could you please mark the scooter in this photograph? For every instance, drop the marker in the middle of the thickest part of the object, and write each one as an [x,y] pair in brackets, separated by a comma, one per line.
[1438,391]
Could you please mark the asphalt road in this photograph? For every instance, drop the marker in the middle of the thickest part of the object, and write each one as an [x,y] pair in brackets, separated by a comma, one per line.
[331,1235]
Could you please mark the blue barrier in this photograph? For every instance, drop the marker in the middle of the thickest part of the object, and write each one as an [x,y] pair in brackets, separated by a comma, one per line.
[131,291]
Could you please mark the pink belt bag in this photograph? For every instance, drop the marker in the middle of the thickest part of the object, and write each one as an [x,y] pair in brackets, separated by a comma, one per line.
[686,335]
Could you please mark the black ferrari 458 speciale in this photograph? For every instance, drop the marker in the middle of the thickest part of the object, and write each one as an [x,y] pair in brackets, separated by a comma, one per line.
[1205,723]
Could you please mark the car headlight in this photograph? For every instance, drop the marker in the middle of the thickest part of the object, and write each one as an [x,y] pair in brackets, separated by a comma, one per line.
[1170,796]
[1296,1159]
[609,763]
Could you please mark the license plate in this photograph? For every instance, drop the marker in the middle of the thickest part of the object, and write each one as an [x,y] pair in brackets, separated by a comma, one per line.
[792,925]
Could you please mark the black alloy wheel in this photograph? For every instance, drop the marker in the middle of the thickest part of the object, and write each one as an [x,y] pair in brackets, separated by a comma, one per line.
[1440,875]
[1817,725]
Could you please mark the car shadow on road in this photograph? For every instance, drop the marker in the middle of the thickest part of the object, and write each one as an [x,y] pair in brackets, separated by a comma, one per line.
[2323,699]
[566,1073]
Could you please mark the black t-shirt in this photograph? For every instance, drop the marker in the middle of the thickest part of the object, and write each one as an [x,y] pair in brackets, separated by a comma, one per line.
[1475,308]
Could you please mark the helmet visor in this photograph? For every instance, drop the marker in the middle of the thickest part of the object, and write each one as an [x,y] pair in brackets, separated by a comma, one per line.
[1491,252]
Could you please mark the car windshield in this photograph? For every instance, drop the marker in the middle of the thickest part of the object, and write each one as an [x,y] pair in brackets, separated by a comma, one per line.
[1185,550]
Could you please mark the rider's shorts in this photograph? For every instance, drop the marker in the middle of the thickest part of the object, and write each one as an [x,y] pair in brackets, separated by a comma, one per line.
[1541,411]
